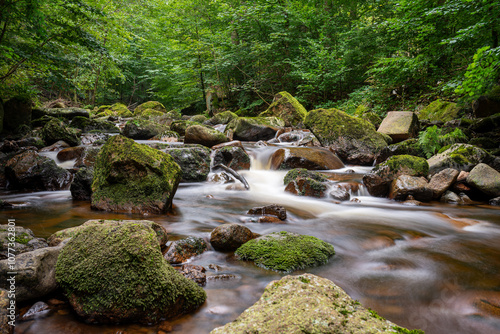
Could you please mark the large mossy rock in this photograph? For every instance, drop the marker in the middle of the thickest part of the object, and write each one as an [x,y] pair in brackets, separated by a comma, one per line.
[286,252]
[67,113]
[378,181]
[254,128]
[441,111]
[17,112]
[131,177]
[486,179]
[305,157]
[143,129]
[154,105]
[30,171]
[400,125]
[307,304]
[408,147]
[86,125]
[462,157]
[353,139]
[180,126]
[194,161]
[148,113]
[488,104]
[221,118]
[286,107]
[116,273]
[117,109]
[204,135]
[55,130]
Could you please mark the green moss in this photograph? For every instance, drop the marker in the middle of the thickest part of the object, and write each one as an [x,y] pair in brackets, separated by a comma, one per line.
[223,118]
[55,130]
[293,174]
[287,108]
[198,118]
[119,269]
[286,252]
[419,166]
[375,314]
[407,331]
[23,238]
[148,113]
[154,105]
[439,110]
[127,172]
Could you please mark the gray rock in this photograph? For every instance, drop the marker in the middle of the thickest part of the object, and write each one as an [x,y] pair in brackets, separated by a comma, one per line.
[495,201]
[273,210]
[204,135]
[194,161]
[441,181]
[233,157]
[406,185]
[25,240]
[486,179]
[340,194]
[450,197]
[462,157]
[35,273]
[306,304]
[305,157]
[38,310]
[228,237]
[400,125]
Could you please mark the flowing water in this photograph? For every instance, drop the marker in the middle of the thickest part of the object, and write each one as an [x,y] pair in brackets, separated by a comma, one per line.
[434,267]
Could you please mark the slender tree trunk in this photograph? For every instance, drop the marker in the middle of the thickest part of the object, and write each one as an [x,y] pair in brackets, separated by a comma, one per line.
[494,35]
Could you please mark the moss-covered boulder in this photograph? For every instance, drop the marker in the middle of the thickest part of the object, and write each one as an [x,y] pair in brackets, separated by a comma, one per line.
[301,182]
[462,157]
[67,233]
[222,118]
[116,273]
[286,252]
[30,171]
[204,135]
[286,107]
[408,147]
[67,113]
[234,157]
[400,125]
[143,129]
[180,126]
[254,128]
[488,104]
[148,113]
[181,250]
[486,179]
[131,177]
[86,125]
[308,304]
[439,110]
[198,119]
[55,130]
[372,117]
[194,161]
[154,105]
[305,157]
[117,109]
[353,139]
[17,113]
[378,181]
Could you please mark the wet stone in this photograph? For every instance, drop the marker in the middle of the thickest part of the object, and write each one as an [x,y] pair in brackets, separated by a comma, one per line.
[195,273]
[228,237]
[182,250]
[273,210]
[38,310]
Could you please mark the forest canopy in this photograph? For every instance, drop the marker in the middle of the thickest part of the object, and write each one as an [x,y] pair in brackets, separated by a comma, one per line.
[371,54]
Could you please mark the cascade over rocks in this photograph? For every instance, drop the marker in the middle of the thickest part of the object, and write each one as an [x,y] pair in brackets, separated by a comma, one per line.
[307,304]
[233,157]
[353,139]
[378,181]
[115,273]
[131,177]
[253,128]
[305,157]
[286,107]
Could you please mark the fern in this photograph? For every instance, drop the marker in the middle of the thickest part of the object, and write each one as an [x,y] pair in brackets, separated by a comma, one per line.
[431,140]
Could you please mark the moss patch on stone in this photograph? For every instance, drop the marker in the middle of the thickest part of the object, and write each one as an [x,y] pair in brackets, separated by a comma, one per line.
[148,113]
[55,130]
[286,107]
[440,110]
[154,105]
[286,252]
[418,166]
[302,172]
[117,274]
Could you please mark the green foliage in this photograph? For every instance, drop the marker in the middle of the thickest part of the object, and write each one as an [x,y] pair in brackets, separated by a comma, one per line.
[432,140]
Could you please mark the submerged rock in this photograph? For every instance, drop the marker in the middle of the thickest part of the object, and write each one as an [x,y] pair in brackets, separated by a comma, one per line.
[131,177]
[353,139]
[307,304]
[29,170]
[305,157]
[194,161]
[286,107]
[184,249]
[378,181]
[114,274]
[254,128]
[228,237]
[286,252]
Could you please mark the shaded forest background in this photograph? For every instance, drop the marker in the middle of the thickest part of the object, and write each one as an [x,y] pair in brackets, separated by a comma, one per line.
[370,55]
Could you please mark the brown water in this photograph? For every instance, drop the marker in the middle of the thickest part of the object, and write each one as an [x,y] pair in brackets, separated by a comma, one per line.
[434,267]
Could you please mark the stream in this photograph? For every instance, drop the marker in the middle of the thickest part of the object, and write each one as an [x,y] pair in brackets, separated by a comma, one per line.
[434,267]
